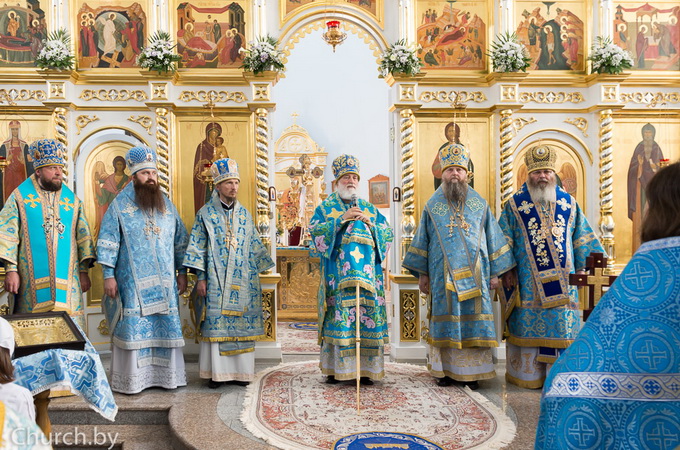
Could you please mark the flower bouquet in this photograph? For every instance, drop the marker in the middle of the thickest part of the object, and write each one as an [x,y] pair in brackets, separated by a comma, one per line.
[400,58]
[55,53]
[508,54]
[159,55]
[608,57]
[262,55]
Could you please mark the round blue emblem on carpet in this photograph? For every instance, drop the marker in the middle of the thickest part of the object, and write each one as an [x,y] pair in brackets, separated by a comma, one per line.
[380,439]
[307,326]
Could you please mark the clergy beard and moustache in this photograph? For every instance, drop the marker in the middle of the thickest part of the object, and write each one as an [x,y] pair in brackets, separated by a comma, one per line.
[49,185]
[346,193]
[543,192]
[149,196]
[455,191]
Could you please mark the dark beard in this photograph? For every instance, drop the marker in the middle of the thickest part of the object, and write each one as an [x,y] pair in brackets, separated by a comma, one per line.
[149,197]
[455,191]
[49,185]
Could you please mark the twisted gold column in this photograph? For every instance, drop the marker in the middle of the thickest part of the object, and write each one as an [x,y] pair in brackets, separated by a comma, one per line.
[606,181]
[262,173]
[163,146]
[507,159]
[60,116]
[408,223]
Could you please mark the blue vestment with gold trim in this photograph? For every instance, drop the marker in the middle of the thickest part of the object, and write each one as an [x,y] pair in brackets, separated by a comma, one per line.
[351,254]
[618,385]
[459,265]
[545,312]
[44,235]
[143,251]
[231,314]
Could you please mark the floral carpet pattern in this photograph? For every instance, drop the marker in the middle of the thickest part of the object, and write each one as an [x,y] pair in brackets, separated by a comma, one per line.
[300,338]
[291,407]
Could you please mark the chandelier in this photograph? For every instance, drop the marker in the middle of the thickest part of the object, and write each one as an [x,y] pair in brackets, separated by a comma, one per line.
[333,35]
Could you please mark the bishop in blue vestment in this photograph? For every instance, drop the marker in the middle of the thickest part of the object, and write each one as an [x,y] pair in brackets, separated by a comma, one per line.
[458,253]
[550,237]
[45,241]
[141,246]
[228,256]
[352,238]
[618,385]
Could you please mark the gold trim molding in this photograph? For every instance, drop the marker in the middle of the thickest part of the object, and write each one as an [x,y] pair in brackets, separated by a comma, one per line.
[409,315]
[452,97]
[144,121]
[213,96]
[103,328]
[83,121]
[11,96]
[113,95]
[579,122]
[651,99]
[269,315]
[551,97]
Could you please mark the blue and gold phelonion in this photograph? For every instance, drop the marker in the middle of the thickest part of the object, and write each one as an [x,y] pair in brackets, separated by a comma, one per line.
[224,169]
[344,164]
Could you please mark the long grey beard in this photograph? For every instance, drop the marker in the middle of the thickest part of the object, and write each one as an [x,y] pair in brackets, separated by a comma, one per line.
[346,194]
[454,191]
[543,194]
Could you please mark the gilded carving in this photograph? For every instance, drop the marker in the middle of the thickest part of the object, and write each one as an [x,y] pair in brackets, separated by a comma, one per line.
[451,97]
[261,92]
[409,315]
[610,93]
[579,122]
[56,90]
[606,185]
[650,99]
[113,95]
[269,315]
[103,328]
[11,96]
[507,158]
[60,118]
[551,97]
[262,173]
[159,91]
[521,122]
[509,93]
[163,147]
[407,93]
[408,223]
[83,120]
[144,121]
[213,96]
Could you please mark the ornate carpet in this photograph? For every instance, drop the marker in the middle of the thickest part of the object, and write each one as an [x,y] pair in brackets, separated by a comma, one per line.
[300,338]
[290,407]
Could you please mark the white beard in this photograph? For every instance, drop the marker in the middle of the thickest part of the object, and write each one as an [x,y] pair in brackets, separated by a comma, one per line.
[546,194]
[346,193]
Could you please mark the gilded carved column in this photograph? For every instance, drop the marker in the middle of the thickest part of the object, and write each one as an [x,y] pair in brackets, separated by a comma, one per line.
[606,181]
[163,146]
[262,173]
[507,159]
[60,116]
[408,223]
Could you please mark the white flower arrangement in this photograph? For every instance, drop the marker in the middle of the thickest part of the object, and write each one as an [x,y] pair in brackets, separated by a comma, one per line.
[56,52]
[508,54]
[608,57]
[159,55]
[263,55]
[400,58]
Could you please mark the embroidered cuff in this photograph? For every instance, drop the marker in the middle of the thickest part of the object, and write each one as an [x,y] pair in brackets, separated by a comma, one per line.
[108,271]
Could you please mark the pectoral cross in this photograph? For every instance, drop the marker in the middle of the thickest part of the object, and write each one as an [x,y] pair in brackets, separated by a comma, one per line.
[453,224]
[230,240]
[151,228]
[596,263]
[51,223]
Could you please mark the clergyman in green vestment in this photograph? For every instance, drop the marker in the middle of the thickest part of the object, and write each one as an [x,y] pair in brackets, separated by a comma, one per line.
[352,238]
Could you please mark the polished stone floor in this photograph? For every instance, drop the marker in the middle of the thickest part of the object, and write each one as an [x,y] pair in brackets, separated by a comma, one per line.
[198,417]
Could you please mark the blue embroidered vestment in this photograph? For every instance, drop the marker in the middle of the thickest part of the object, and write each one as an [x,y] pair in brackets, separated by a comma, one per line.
[617,385]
